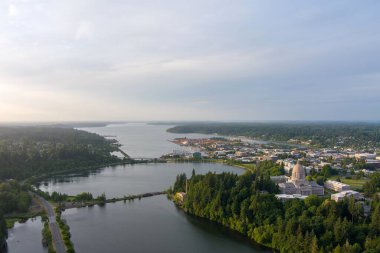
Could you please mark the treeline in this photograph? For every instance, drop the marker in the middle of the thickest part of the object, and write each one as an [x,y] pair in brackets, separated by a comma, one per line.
[323,134]
[13,198]
[247,204]
[271,168]
[47,238]
[373,185]
[62,197]
[29,151]
[65,231]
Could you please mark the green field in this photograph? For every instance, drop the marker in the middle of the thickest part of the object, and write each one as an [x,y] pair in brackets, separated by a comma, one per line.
[356,184]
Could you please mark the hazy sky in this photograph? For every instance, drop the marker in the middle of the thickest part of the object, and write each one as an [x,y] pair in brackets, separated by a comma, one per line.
[189,60]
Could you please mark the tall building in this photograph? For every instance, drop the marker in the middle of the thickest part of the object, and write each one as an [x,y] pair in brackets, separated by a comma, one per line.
[298,184]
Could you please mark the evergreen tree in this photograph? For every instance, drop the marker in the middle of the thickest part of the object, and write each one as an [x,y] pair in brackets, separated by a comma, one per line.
[314,245]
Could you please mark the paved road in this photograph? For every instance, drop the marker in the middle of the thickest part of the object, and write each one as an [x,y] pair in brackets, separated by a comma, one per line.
[58,243]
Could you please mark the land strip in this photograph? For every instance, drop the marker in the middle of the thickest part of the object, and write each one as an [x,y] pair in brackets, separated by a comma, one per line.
[58,242]
[69,204]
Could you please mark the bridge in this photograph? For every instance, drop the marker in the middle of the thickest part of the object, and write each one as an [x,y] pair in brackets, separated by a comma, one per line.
[140,159]
[124,154]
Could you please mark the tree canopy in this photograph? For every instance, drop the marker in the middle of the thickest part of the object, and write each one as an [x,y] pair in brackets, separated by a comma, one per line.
[247,204]
[28,151]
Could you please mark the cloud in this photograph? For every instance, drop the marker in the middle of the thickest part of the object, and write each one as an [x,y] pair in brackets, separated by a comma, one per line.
[84,30]
[12,10]
[219,60]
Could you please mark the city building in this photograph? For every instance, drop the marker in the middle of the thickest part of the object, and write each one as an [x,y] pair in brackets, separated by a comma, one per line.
[285,197]
[346,194]
[197,155]
[337,186]
[297,184]
[374,162]
[279,179]
[365,156]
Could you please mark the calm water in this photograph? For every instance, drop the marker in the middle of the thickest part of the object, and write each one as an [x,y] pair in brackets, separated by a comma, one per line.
[143,140]
[149,225]
[130,179]
[26,237]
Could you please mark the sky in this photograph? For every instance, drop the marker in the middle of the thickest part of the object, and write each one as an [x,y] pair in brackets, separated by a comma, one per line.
[189,60]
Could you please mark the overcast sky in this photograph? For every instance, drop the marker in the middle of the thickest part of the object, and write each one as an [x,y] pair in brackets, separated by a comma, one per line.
[189,60]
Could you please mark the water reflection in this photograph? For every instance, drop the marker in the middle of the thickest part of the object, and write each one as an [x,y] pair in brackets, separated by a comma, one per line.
[130,179]
[26,237]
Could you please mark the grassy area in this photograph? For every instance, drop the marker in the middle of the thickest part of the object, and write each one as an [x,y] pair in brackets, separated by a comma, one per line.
[355,184]
[10,222]
[247,166]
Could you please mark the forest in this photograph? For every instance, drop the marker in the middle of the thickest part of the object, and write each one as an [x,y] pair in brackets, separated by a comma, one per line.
[247,204]
[31,151]
[318,134]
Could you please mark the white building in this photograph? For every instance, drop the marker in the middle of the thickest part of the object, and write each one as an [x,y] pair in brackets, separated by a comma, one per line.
[365,156]
[288,165]
[285,197]
[299,185]
[337,186]
[346,194]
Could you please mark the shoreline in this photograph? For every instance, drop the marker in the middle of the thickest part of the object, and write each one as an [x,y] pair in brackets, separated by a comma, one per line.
[222,226]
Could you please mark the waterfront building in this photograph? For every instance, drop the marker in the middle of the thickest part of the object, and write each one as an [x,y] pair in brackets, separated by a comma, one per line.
[297,184]
[337,186]
[197,155]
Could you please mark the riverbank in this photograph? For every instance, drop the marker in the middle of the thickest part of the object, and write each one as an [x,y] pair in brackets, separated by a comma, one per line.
[35,209]
[179,205]
[36,179]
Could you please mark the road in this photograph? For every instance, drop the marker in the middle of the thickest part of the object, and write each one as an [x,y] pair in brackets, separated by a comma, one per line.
[58,243]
